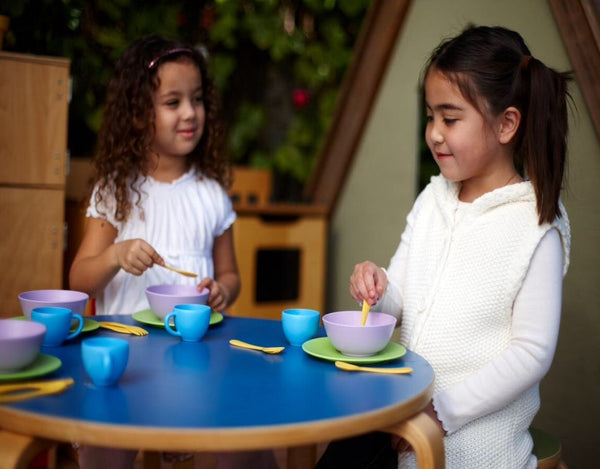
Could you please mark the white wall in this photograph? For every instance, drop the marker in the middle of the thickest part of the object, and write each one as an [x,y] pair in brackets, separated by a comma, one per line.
[381,187]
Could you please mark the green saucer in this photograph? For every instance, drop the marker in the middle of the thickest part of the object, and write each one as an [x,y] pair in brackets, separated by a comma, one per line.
[147,316]
[88,324]
[321,348]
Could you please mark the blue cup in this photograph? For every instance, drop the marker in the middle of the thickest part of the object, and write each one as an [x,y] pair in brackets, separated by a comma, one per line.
[191,321]
[58,323]
[299,325]
[105,359]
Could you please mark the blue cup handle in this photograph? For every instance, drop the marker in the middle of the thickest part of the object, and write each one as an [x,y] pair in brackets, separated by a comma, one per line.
[79,328]
[168,324]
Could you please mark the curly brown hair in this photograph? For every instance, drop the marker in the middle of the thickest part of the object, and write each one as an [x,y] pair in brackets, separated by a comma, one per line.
[127,130]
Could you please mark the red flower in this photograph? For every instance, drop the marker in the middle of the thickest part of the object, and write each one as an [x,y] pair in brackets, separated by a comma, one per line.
[208,18]
[300,98]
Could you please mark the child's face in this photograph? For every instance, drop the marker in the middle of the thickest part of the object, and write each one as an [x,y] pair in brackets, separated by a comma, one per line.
[179,109]
[463,144]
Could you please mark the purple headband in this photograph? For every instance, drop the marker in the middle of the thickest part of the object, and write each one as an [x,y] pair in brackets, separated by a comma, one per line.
[178,50]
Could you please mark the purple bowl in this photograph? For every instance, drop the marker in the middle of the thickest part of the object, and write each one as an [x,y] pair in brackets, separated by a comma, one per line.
[348,336]
[20,343]
[74,300]
[163,298]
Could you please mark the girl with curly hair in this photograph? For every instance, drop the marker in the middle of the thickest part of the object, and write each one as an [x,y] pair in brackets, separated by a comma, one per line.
[160,184]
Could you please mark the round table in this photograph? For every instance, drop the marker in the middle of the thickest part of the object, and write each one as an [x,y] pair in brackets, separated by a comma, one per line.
[211,396]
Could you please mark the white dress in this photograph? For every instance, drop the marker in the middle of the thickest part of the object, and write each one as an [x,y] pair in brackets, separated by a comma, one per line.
[180,220]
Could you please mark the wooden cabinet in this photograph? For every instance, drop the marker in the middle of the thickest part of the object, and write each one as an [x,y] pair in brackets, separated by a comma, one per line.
[34,96]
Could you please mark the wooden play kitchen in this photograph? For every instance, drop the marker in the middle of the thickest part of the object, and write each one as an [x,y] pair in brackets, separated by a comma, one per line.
[34,98]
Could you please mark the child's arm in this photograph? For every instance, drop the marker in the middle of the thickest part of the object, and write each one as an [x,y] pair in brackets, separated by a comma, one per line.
[99,258]
[535,325]
[225,287]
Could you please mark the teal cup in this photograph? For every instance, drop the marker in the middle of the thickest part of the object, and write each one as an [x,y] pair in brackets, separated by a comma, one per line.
[191,321]
[299,325]
[58,322]
[105,359]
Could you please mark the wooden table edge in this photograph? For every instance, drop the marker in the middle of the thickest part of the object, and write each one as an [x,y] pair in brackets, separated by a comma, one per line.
[210,439]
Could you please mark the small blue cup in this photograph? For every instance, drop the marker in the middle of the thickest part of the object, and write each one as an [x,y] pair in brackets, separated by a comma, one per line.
[58,324]
[299,325]
[105,359]
[191,321]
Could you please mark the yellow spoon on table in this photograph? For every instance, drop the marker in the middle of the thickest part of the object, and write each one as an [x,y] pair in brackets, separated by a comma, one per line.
[20,391]
[388,371]
[271,350]
[365,312]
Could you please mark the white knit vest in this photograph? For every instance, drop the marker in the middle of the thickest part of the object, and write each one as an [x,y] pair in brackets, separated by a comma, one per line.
[461,282]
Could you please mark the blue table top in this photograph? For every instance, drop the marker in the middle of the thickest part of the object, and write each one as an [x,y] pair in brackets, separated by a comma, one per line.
[211,385]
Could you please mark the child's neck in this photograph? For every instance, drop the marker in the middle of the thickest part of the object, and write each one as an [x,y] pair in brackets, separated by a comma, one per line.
[166,169]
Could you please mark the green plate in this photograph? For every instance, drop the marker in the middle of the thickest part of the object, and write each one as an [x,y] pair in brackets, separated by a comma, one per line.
[321,348]
[147,316]
[42,365]
[88,324]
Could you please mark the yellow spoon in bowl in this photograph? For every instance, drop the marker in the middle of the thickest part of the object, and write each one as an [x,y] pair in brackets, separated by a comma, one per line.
[365,311]
[179,271]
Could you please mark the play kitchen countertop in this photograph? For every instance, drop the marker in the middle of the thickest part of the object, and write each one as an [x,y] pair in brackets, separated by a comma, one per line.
[210,395]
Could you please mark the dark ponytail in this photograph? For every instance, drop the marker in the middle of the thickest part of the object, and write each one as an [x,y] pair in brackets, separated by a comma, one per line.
[495,64]
[544,137]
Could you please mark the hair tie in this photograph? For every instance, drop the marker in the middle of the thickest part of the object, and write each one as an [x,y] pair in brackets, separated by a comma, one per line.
[525,62]
[178,50]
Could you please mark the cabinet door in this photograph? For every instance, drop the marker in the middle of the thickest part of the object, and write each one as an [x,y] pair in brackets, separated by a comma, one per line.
[34,96]
[31,250]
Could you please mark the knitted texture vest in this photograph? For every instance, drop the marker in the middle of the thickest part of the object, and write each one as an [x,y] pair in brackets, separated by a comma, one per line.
[462,280]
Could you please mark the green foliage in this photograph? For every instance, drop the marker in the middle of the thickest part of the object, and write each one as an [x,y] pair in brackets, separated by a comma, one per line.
[278,64]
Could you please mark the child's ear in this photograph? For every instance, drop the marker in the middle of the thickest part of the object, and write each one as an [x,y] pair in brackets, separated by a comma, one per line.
[509,124]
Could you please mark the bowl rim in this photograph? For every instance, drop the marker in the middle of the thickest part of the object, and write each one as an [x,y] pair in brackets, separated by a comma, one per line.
[79,294]
[31,328]
[329,320]
[205,291]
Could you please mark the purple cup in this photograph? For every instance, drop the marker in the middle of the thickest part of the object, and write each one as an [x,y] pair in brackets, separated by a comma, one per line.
[163,298]
[346,334]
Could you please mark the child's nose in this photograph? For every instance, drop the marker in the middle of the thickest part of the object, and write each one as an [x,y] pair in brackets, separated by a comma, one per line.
[435,135]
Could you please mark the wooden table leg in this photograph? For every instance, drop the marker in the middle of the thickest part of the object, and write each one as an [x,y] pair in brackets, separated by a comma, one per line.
[17,451]
[301,457]
[425,438]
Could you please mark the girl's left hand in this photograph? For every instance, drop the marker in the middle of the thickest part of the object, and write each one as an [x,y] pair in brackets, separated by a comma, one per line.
[218,299]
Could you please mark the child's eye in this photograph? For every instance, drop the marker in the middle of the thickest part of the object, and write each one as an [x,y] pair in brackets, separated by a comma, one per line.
[172,102]
[199,99]
[429,118]
[449,121]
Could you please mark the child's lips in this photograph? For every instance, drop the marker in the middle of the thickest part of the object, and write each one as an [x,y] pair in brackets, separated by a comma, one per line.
[187,132]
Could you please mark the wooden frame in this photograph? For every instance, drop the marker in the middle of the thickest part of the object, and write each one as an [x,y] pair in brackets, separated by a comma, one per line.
[580,30]
[358,92]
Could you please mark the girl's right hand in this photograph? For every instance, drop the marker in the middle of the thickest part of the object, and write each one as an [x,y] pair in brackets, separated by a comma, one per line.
[136,255]
[367,282]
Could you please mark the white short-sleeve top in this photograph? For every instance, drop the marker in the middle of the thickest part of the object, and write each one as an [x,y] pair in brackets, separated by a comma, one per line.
[180,220]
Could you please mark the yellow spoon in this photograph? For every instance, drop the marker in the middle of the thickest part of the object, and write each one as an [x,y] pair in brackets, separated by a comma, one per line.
[20,391]
[123,328]
[365,311]
[388,371]
[271,350]
[182,272]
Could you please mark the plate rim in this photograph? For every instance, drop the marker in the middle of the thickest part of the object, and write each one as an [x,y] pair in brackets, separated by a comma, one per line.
[27,373]
[345,358]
